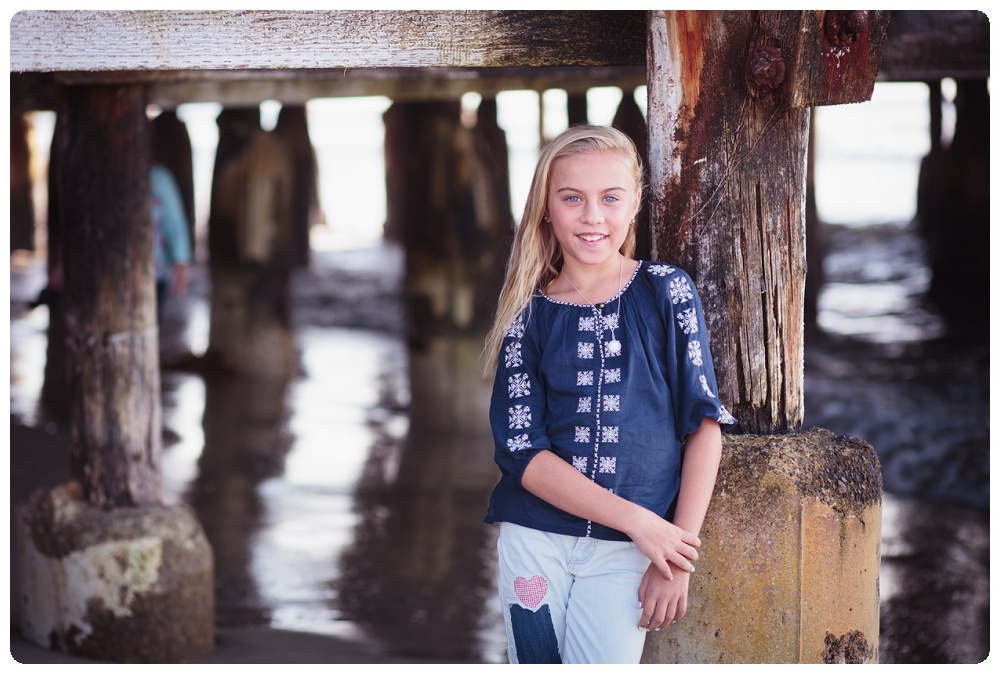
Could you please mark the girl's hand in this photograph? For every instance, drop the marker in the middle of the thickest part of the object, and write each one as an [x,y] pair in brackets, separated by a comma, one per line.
[663,601]
[666,545]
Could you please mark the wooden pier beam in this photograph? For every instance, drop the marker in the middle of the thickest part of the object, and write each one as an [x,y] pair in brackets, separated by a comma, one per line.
[728,121]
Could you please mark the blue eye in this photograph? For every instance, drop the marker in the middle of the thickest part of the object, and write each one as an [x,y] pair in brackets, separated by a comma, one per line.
[573,199]
[611,198]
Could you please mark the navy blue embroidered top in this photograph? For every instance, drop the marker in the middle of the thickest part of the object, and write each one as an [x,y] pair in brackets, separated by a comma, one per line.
[618,412]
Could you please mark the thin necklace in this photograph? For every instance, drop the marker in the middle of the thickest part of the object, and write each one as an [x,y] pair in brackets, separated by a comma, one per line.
[614,346]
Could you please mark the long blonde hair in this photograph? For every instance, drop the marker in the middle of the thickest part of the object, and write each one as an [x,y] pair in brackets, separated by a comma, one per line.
[535,257]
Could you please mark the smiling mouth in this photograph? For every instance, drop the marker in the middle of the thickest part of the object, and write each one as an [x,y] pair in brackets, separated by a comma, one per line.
[592,238]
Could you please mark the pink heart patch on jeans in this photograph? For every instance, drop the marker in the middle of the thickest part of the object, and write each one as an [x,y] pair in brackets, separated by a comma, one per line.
[530,591]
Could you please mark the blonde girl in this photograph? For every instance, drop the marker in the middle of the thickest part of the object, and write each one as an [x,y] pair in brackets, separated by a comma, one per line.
[604,412]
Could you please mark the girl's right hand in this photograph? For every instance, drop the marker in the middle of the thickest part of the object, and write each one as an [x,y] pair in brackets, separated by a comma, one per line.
[663,542]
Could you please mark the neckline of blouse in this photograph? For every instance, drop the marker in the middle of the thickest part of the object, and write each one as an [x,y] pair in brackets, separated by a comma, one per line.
[621,292]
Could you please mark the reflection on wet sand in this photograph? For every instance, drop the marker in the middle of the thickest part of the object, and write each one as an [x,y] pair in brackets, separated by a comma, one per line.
[246,442]
[417,575]
[935,596]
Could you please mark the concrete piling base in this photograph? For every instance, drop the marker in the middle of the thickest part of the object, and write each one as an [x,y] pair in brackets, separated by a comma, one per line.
[125,585]
[789,567]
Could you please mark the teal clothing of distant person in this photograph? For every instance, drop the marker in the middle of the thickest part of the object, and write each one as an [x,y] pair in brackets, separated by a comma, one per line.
[173,240]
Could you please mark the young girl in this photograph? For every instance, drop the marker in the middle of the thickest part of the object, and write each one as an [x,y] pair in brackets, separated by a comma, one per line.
[604,414]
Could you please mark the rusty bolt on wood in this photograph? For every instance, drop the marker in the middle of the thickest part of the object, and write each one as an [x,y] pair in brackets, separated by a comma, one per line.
[765,69]
[843,28]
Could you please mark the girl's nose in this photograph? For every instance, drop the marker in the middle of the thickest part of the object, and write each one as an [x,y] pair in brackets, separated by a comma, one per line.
[592,213]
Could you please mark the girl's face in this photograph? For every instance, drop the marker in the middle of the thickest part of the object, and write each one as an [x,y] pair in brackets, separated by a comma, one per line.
[591,202]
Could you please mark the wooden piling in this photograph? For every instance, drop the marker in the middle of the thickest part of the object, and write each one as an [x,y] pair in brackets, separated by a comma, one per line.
[22,209]
[110,299]
[629,118]
[55,383]
[106,570]
[958,231]
[443,200]
[728,135]
[293,128]
[250,250]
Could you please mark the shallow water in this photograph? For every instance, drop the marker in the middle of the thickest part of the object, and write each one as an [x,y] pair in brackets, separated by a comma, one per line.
[348,499]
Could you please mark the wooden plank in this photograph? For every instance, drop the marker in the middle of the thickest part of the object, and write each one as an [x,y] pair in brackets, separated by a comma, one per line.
[929,45]
[38,91]
[48,41]
[837,57]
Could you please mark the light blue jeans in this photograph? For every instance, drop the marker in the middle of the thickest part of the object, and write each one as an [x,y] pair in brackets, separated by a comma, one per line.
[568,599]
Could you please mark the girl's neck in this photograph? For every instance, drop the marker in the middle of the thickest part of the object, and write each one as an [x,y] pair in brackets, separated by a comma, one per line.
[591,284]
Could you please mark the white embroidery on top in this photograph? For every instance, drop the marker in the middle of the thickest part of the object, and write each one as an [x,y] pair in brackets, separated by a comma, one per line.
[613,375]
[607,464]
[519,416]
[680,290]
[688,320]
[584,350]
[516,329]
[518,442]
[694,352]
[609,434]
[704,385]
[518,385]
[587,324]
[585,378]
[581,434]
[580,463]
[612,403]
[583,404]
[512,355]
[661,269]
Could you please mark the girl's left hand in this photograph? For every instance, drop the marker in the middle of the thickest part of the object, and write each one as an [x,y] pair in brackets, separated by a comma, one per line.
[663,600]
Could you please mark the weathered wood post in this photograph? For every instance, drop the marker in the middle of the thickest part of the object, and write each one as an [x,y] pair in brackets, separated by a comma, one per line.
[107,570]
[249,249]
[443,201]
[55,392]
[789,568]
[958,231]
[815,242]
[629,118]
[576,108]
[449,199]
[22,209]
[293,128]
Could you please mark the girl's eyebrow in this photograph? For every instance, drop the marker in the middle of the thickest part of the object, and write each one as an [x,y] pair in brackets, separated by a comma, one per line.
[574,189]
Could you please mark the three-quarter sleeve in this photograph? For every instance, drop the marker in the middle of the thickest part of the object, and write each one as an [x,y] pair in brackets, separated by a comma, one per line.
[517,407]
[696,391]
